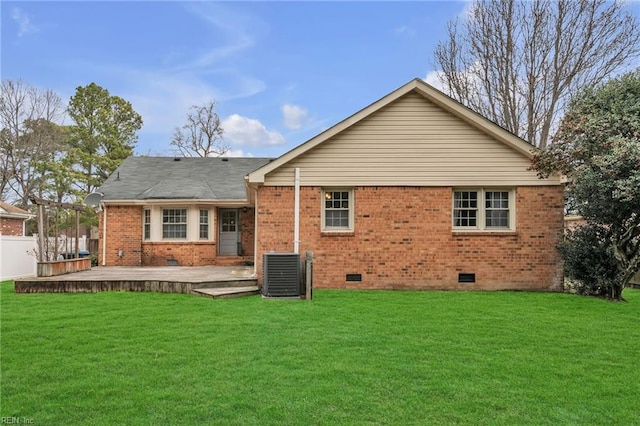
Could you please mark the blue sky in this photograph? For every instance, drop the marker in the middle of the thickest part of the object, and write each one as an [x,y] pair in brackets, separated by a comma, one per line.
[281,72]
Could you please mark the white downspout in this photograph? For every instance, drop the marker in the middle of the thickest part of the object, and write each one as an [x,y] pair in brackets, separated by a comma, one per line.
[104,235]
[296,214]
[255,234]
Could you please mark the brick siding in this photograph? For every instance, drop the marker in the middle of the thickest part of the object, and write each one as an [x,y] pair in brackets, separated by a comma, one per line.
[247,231]
[124,232]
[403,239]
[10,226]
[124,228]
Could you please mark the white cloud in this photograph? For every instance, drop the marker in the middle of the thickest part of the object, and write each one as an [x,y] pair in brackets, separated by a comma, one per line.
[244,131]
[432,79]
[237,153]
[294,116]
[24,23]
[469,75]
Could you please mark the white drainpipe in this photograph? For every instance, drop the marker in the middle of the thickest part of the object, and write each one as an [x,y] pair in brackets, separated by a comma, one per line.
[104,235]
[255,234]
[296,214]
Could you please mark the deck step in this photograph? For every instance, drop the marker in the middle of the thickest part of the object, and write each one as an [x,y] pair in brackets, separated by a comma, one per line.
[226,292]
[228,283]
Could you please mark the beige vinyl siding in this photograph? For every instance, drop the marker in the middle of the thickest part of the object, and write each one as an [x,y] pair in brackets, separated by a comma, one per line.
[410,142]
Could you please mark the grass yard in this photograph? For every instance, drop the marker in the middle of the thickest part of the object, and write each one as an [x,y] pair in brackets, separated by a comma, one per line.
[347,357]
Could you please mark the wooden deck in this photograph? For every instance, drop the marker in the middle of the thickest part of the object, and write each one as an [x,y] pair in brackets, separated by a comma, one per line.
[211,281]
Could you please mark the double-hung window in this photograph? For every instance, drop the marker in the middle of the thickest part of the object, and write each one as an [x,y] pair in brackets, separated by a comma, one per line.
[204,224]
[483,209]
[337,210]
[146,224]
[174,223]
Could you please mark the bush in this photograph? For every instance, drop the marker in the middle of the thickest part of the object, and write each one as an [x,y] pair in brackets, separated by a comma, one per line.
[590,263]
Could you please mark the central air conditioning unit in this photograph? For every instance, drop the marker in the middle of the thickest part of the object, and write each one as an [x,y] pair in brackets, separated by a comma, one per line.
[281,275]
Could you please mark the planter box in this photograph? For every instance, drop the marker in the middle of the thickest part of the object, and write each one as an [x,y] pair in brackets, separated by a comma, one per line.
[60,267]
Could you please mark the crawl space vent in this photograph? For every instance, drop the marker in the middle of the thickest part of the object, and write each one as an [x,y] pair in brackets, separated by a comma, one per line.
[466,278]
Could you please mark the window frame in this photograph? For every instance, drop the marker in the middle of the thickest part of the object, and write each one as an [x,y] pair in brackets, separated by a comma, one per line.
[185,223]
[201,224]
[350,209]
[146,224]
[481,208]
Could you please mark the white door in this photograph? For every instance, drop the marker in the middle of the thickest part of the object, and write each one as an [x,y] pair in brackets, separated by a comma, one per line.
[228,232]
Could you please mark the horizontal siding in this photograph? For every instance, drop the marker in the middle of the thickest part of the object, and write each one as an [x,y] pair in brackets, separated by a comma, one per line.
[410,142]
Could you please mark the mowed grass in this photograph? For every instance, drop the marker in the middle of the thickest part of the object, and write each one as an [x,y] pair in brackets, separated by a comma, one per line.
[347,357]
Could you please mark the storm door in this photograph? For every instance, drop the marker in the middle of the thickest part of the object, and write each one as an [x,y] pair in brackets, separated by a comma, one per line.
[228,232]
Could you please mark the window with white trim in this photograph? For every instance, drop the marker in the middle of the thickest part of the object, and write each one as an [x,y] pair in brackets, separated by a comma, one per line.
[483,209]
[146,224]
[337,210]
[174,223]
[204,224]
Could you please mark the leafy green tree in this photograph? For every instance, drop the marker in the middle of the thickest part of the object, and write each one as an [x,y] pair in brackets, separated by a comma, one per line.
[597,147]
[103,134]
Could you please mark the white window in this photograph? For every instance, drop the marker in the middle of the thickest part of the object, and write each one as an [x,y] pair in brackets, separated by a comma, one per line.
[337,210]
[483,209]
[204,224]
[146,224]
[174,223]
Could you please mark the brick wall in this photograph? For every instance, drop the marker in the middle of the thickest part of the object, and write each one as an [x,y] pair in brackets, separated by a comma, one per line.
[188,253]
[247,231]
[124,228]
[403,239]
[124,232]
[10,226]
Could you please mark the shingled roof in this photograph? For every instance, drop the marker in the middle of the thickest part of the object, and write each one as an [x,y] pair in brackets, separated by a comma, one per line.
[169,178]
[8,210]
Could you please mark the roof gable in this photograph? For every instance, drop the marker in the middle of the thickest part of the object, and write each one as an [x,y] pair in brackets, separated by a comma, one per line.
[416,86]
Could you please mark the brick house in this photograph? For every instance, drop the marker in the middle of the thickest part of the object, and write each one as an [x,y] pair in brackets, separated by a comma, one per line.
[12,220]
[414,191]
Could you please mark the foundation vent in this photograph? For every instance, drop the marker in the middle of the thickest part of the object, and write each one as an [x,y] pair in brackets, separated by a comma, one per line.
[466,278]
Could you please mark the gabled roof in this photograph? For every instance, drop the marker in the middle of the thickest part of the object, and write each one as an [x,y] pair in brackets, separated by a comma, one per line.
[9,211]
[417,86]
[169,178]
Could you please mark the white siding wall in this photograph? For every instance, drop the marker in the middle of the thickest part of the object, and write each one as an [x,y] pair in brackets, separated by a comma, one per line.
[410,142]
[17,257]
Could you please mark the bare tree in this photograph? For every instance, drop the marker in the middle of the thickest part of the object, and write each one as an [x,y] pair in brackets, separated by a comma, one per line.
[29,138]
[518,62]
[201,136]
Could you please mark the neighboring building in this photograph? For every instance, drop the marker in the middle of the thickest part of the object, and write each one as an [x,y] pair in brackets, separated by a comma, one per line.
[414,191]
[12,220]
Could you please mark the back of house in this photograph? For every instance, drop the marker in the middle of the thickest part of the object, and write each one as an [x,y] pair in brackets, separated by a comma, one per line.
[414,191]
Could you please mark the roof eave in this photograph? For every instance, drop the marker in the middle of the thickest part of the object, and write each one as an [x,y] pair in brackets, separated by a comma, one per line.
[176,201]
[24,216]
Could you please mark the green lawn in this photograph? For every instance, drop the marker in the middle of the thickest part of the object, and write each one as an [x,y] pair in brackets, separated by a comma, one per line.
[347,357]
